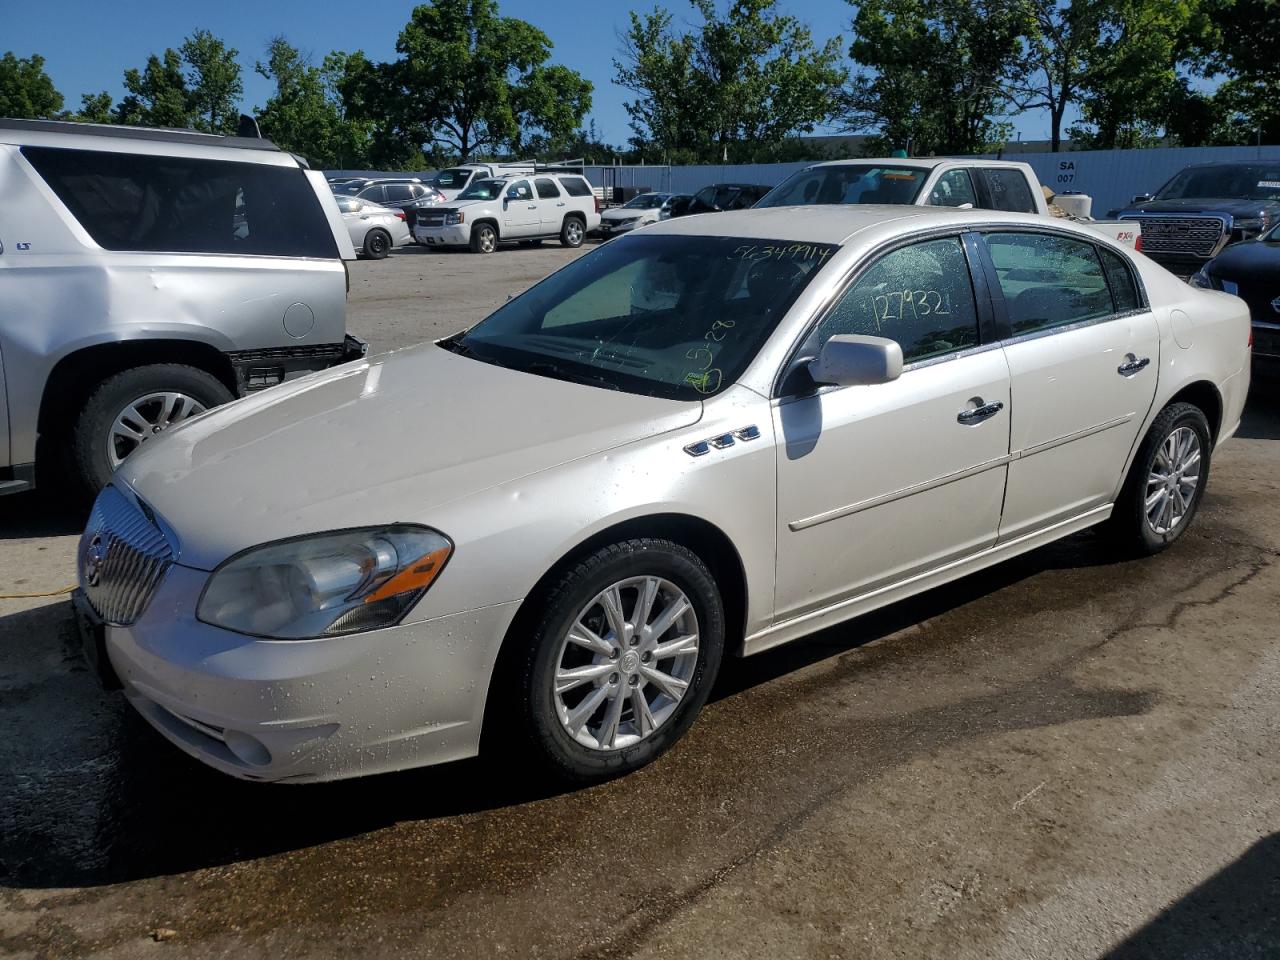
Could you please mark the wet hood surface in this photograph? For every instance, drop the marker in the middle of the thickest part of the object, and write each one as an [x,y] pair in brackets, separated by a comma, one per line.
[1240,209]
[373,442]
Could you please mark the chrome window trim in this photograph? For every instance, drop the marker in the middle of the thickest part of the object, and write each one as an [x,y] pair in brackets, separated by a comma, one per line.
[1068,327]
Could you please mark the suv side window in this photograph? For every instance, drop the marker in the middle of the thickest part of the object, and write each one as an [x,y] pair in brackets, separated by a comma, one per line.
[576,186]
[138,202]
[1008,189]
[920,295]
[398,192]
[519,191]
[1048,281]
[372,193]
[547,189]
[1124,292]
[953,189]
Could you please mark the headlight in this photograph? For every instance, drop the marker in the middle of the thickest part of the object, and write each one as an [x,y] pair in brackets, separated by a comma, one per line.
[454,218]
[1201,279]
[325,585]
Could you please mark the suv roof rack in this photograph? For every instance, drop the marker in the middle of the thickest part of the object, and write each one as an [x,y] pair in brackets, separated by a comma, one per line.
[114,131]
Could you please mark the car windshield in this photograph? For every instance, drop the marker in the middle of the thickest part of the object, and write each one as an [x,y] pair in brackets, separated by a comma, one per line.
[667,316]
[1243,181]
[847,183]
[451,179]
[646,201]
[483,190]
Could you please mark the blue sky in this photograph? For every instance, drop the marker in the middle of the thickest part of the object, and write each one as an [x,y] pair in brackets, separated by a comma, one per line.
[88,43]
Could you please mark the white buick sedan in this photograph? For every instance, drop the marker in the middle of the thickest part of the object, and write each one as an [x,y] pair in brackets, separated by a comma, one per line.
[710,437]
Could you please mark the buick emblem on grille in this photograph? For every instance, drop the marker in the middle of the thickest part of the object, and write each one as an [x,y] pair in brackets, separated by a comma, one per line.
[94,555]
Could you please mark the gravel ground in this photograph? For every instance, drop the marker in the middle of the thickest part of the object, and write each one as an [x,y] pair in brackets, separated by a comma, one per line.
[1060,757]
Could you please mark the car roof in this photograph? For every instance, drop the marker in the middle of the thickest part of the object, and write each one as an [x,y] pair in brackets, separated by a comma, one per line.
[43,129]
[835,223]
[923,163]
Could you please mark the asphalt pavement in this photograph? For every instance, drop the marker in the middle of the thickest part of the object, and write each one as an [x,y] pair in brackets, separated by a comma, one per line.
[1064,756]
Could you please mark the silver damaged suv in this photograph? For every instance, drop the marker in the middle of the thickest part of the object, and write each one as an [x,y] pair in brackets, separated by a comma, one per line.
[147,276]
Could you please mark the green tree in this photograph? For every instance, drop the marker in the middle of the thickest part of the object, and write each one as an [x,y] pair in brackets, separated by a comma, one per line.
[306,114]
[740,83]
[26,91]
[213,83]
[934,72]
[1050,71]
[1237,42]
[95,108]
[467,80]
[157,94]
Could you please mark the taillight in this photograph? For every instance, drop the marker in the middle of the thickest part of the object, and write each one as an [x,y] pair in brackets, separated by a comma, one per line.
[597,200]
[1137,243]
[400,215]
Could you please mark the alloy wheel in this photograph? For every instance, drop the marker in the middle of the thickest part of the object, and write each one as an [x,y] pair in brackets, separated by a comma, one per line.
[573,231]
[626,663]
[487,241]
[146,417]
[1173,480]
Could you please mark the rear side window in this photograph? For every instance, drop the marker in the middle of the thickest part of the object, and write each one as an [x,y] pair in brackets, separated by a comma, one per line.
[953,189]
[1123,290]
[1048,281]
[920,296]
[575,186]
[546,189]
[399,191]
[1009,190]
[180,205]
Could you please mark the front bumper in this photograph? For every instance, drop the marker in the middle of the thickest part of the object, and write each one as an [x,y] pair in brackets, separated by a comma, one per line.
[309,710]
[455,236]
[1266,347]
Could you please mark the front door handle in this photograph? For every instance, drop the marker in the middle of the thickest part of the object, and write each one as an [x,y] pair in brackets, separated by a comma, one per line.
[560,204]
[533,206]
[1132,365]
[984,411]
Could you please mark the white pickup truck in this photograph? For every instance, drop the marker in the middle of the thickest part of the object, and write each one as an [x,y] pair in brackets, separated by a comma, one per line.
[454,180]
[968,183]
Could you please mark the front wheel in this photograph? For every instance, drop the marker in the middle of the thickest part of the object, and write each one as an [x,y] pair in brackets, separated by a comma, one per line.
[377,244]
[627,645]
[484,239]
[133,407]
[1166,482]
[572,232]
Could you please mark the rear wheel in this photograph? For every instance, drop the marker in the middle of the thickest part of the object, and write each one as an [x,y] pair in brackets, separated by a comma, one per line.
[131,408]
[626,648]
[484,239]
[573,232]
[1166,482]
[377,244]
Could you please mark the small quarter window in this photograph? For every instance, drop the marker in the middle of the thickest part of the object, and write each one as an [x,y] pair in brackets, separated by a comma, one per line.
[576,186]
[546,189]
[1048,281]
[920,296]
[1123,290]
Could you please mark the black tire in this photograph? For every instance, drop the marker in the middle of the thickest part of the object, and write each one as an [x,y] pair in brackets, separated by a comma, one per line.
[556,749]
[1131,530]
[573,232]
[484,238]
[377,244]
[92,430]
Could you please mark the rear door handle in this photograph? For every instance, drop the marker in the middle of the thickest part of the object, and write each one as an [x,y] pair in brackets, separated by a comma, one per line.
[533,206]
[1132,365]
[979,413]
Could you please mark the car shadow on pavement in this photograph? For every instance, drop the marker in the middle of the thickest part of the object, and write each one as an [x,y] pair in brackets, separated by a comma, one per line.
[41,514]
[1262,412]
[1233,915]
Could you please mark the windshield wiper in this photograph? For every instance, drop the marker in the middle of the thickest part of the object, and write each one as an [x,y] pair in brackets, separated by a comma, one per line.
[558,372]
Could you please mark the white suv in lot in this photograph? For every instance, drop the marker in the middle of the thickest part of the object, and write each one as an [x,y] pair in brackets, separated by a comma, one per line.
[523,209]
[147,276]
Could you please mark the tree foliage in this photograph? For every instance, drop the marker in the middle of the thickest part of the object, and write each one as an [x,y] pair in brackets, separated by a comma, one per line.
[1050,70]
[467,80]
[196,86]
[306,114]
[934,72]
[26,91]
[1237,41]
[739,83]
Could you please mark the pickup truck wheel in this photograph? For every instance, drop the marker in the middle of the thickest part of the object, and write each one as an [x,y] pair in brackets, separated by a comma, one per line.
[130,408]
[377,244]
[624,649]
[573,232]
[484,239]
[1166,482]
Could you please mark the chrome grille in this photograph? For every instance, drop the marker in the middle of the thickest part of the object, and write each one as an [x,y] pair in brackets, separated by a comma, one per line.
[122,558]
[1199,236]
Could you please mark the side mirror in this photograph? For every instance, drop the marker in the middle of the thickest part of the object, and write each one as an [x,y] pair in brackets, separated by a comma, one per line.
[1141,198]
[847,360]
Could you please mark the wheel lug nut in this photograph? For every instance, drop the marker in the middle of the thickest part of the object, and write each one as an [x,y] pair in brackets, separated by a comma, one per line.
[613,678]
[634,680]
[635,641]
[614,654]
[644,657]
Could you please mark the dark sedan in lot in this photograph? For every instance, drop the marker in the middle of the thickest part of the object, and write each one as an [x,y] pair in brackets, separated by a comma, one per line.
[1251,271]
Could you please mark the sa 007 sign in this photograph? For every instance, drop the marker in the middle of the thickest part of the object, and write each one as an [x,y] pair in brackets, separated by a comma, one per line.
[1066,175]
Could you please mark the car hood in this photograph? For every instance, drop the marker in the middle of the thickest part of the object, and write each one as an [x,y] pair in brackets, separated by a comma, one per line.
[619,214]
[1238,208]
[1251,260]
[376,441]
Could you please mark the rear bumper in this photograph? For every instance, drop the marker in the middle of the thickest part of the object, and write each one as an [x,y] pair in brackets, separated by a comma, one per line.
[258,369]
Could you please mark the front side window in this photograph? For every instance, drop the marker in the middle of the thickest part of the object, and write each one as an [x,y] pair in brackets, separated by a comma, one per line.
[1048,281]
[546,189]
[1009,190]
[670,316]
[847,183]
[953,189]
[921,296]
[135,202]
[519,191]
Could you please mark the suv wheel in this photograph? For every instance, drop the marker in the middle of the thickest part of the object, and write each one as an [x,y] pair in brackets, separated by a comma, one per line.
[377,244]
[573,232]
[626,648]
[484,239]
[130,408]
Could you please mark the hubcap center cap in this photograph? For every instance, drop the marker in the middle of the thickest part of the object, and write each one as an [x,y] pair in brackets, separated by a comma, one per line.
[630,662]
